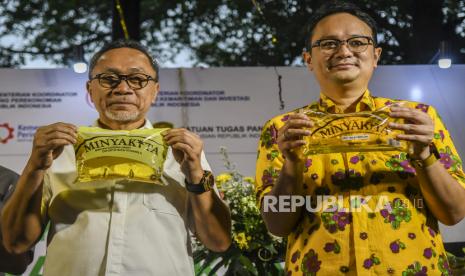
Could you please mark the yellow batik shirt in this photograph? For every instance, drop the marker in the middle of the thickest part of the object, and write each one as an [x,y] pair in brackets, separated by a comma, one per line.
[397,235]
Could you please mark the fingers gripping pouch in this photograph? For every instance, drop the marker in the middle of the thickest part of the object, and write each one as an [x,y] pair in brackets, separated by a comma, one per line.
[350,132]
[103,154]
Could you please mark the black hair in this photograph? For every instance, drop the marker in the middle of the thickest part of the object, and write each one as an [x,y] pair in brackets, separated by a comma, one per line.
[333,7]
[121,43]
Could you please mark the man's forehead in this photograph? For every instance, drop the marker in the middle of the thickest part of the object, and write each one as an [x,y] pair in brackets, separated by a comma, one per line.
[338,24]
[124,59]
[109,68]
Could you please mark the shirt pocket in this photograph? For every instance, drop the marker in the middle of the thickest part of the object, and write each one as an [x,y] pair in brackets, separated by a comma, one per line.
[161,203]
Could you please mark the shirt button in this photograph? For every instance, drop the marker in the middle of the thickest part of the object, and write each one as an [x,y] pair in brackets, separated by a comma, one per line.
[344,269]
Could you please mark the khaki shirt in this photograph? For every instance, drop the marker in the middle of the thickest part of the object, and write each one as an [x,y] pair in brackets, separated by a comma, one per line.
[137,229]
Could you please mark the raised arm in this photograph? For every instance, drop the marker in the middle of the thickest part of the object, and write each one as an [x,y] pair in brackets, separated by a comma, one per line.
[210,216]
[280,171]
[21,218]
[442,183]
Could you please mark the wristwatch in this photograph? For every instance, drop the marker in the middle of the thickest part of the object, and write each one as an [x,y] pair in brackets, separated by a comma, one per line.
[206,184]
[430,160]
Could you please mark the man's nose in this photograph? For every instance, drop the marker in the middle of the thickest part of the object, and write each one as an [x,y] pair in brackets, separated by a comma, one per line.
[344,49]
[123,88]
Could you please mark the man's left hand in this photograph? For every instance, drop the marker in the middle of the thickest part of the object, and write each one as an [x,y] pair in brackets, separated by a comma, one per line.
[187,149]
[418,127]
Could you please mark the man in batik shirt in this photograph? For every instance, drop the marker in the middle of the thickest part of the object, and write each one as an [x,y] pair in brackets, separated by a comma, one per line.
[402,235]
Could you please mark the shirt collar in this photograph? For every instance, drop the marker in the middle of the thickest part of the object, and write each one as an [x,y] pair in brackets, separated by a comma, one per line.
[147,124]
[366,103]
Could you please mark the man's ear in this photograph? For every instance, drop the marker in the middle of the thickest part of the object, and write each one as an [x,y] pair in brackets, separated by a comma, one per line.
[308,60]
[89,90]
[155,93]
[377,56]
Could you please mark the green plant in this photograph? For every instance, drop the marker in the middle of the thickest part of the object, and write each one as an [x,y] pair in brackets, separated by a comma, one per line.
[457,264]
[254,251]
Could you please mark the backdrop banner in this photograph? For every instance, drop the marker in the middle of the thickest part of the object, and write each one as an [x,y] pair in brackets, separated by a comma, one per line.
[227,107]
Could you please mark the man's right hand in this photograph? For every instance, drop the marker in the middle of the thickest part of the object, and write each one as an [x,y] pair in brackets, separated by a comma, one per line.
[49,142]
[290,181]
[291,135]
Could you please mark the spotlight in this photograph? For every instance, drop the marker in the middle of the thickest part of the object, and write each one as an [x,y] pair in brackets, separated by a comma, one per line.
[444,60]
[79,64]
[80,67]
[444,63]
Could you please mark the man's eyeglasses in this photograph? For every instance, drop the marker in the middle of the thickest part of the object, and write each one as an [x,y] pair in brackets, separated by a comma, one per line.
[356,44]
[135,81]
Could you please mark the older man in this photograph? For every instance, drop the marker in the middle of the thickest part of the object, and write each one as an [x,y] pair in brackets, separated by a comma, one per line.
[400,237]
[127,229]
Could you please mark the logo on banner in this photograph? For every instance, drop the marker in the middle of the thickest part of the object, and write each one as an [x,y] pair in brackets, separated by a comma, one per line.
[6,133]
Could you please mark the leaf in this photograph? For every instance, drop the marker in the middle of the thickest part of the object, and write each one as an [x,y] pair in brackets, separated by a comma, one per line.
[204,271]
[271,248]
[216,267]
[38,266]
[248,264]
[210,258]
[279,269]
[199,255]
[337,248]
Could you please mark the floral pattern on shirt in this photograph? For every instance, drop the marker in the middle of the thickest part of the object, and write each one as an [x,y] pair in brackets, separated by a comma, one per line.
[396,246]
[269,176]
[332,247]
[396,212]
[269,137]
[449,160]
[310,263]
[336,221]
[415,269]
[400,163]
[396,237]
[443,266]
[347,180]
[369,262]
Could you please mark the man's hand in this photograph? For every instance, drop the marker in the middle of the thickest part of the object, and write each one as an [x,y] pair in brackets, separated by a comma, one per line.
[209,217]
[290,181]
[187,148]
[22,222]
[418,127]
[290,136]
[49,142]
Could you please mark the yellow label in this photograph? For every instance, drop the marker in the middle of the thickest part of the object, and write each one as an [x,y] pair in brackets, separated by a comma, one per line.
[350,132]
[119,154]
